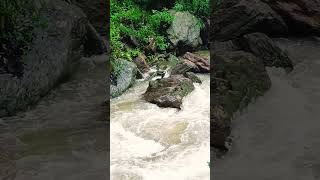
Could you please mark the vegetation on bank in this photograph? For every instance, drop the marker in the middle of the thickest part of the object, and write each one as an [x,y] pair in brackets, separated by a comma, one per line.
[17,21]
[139,26]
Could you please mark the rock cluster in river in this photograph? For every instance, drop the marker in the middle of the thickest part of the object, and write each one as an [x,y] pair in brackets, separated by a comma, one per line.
[241,46]
[169,92]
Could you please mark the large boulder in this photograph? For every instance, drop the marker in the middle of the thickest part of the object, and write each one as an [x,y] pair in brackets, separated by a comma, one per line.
[263,47]
[184,33]
[55,51]
[169,92]
[234,18]
[238,78]
[301,16]
[124,79]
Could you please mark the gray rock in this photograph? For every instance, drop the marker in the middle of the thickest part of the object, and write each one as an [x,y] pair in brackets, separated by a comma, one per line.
[185,30]
[169,92]
[125,78]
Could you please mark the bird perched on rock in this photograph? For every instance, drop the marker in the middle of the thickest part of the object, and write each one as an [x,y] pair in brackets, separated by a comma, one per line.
[161,73]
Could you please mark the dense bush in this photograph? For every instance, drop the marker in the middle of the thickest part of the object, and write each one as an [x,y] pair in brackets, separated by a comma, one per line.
[17,20]
[132,27]
[134,23]
[200,8]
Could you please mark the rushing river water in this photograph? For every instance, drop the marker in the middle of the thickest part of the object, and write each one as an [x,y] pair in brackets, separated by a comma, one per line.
[278,137]
[64,137]
[152,143]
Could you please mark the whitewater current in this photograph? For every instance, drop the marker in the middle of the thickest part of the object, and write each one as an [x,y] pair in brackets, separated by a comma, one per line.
[153,143]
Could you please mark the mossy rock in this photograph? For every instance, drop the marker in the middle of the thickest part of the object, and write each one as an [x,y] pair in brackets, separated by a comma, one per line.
[169,92]
[125,78]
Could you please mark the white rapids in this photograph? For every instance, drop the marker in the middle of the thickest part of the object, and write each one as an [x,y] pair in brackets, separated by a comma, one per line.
[152,143]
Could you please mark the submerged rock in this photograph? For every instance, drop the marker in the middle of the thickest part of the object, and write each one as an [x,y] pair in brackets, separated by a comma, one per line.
[169,92]
[184,33]
[125,78]
[239,77]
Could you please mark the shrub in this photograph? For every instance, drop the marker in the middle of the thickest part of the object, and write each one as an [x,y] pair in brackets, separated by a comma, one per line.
[129,22]
[17,21]
[200,8]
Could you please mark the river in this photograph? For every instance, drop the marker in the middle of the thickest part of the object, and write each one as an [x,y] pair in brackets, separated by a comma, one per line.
[64,136]
[152,143]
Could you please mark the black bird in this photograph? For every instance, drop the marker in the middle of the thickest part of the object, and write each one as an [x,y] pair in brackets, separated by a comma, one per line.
[161,73]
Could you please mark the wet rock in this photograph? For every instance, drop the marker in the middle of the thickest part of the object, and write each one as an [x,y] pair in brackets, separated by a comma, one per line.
[194,78]
[239,78]
[202,63]
[301,16]
[124,79]
[169,92]
[184,66]
[192,63]
[235,18]
[54,54]
[184,33]
[263,47]
[141,62]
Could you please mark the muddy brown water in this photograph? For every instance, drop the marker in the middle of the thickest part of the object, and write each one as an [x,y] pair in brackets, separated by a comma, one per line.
[278,136]
[65,136]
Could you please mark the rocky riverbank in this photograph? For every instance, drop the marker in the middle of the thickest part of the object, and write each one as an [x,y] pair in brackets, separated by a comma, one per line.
[241,37]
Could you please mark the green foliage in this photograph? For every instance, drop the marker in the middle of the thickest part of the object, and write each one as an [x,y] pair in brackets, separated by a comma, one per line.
[134,23]
[130,22]
[200,8]
[19,21]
